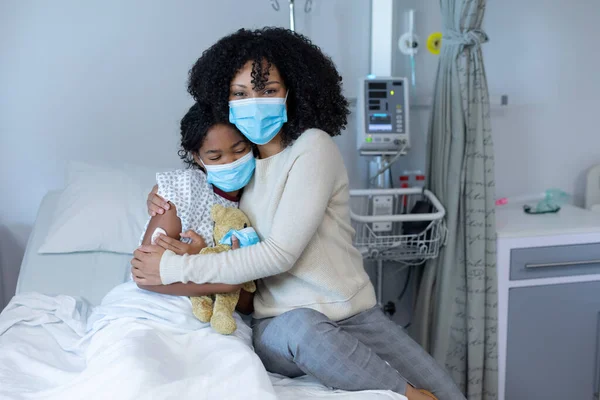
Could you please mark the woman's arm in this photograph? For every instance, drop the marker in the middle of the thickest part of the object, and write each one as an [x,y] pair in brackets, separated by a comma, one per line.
[315,176]
[170,222]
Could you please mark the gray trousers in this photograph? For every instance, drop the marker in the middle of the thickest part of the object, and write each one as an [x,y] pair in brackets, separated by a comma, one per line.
[364,352]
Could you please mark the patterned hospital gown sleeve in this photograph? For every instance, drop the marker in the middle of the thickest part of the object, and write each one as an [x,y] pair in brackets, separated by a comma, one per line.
[193,198]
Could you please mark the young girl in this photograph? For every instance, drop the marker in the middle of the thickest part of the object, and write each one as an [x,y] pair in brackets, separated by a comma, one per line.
[221,164]
[154,340]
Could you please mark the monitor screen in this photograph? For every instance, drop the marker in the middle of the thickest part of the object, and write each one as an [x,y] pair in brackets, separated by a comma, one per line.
[380,122]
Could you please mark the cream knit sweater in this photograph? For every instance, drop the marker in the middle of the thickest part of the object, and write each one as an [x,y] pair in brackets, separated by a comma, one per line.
[299,204]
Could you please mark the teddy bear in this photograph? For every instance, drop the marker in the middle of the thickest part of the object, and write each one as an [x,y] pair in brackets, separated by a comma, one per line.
[219,308]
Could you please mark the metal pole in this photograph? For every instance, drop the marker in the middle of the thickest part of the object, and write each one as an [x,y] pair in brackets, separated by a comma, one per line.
[383,180]
[292,17]
[379,283]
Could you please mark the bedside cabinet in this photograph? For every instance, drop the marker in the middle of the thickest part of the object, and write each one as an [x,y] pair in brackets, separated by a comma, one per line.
[548,304]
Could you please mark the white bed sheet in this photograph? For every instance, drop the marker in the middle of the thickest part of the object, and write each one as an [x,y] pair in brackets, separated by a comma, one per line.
[46,351]
[88,275]
[135,345]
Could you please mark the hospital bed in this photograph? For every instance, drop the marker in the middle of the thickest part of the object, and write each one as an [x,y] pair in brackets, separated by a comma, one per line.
[40,336]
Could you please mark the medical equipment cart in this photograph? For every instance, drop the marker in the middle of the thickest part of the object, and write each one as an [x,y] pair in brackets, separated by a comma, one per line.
[403,225]
[390,228]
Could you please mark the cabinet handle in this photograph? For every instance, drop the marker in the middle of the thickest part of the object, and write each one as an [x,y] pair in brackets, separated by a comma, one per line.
[597,366]
[563,264]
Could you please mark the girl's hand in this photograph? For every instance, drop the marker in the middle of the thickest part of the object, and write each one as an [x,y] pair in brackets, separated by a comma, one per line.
[156,204]
[180,248]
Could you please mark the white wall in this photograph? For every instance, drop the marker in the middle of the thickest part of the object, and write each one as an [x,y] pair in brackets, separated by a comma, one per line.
[543,54]
[105,81]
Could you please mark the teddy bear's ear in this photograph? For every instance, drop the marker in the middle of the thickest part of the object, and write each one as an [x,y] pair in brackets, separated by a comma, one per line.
[217,211]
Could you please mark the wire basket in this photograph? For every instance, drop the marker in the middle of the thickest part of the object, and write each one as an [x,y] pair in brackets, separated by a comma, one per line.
[402,225]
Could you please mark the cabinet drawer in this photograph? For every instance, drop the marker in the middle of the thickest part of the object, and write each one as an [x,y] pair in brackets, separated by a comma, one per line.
[546,262]
[553,342]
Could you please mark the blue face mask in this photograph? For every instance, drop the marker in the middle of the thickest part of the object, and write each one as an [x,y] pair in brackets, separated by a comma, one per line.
[233,176]
[259,119]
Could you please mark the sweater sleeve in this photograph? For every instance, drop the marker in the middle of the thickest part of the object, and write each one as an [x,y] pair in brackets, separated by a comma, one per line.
[309,187]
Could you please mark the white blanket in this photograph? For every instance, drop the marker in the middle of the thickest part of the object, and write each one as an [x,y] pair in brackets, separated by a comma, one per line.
[135,345]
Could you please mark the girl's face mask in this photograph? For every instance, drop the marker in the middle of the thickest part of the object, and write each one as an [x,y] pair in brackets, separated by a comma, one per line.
[233,176]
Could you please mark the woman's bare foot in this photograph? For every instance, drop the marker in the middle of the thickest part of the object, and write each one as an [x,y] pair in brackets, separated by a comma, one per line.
[415,394]
[428,393]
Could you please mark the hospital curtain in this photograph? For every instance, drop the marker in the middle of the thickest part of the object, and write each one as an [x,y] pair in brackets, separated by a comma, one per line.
[456,314]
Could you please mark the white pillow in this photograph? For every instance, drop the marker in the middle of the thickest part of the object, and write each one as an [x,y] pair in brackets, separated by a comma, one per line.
[100,209]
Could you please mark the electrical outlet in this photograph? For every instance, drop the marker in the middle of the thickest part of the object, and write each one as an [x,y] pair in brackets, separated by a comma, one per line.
[383,205]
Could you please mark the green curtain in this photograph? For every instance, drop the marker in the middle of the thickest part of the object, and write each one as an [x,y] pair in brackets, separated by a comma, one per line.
[456,315]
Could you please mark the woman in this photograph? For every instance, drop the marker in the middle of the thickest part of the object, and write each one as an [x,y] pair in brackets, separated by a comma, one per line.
[315,308]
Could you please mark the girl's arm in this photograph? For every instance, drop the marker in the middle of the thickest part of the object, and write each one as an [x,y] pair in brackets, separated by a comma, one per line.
[170,222]
[191,289]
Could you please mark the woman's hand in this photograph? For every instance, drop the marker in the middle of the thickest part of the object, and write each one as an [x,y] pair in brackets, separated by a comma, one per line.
[145,266]
[180,248]
[156,204]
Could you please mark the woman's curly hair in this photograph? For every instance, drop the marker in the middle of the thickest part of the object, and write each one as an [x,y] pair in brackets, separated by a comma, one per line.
[194,128]
[315,97]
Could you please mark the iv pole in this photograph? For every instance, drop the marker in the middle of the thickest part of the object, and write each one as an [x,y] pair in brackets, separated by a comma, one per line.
[307,9]
[292,16]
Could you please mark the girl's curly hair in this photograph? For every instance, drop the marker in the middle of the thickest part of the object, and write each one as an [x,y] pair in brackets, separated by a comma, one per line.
[315,97]
[195,125]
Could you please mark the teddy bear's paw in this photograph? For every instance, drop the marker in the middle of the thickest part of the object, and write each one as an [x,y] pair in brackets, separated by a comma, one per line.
[222,323]
[249,287]
[202,308]
[203,315]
